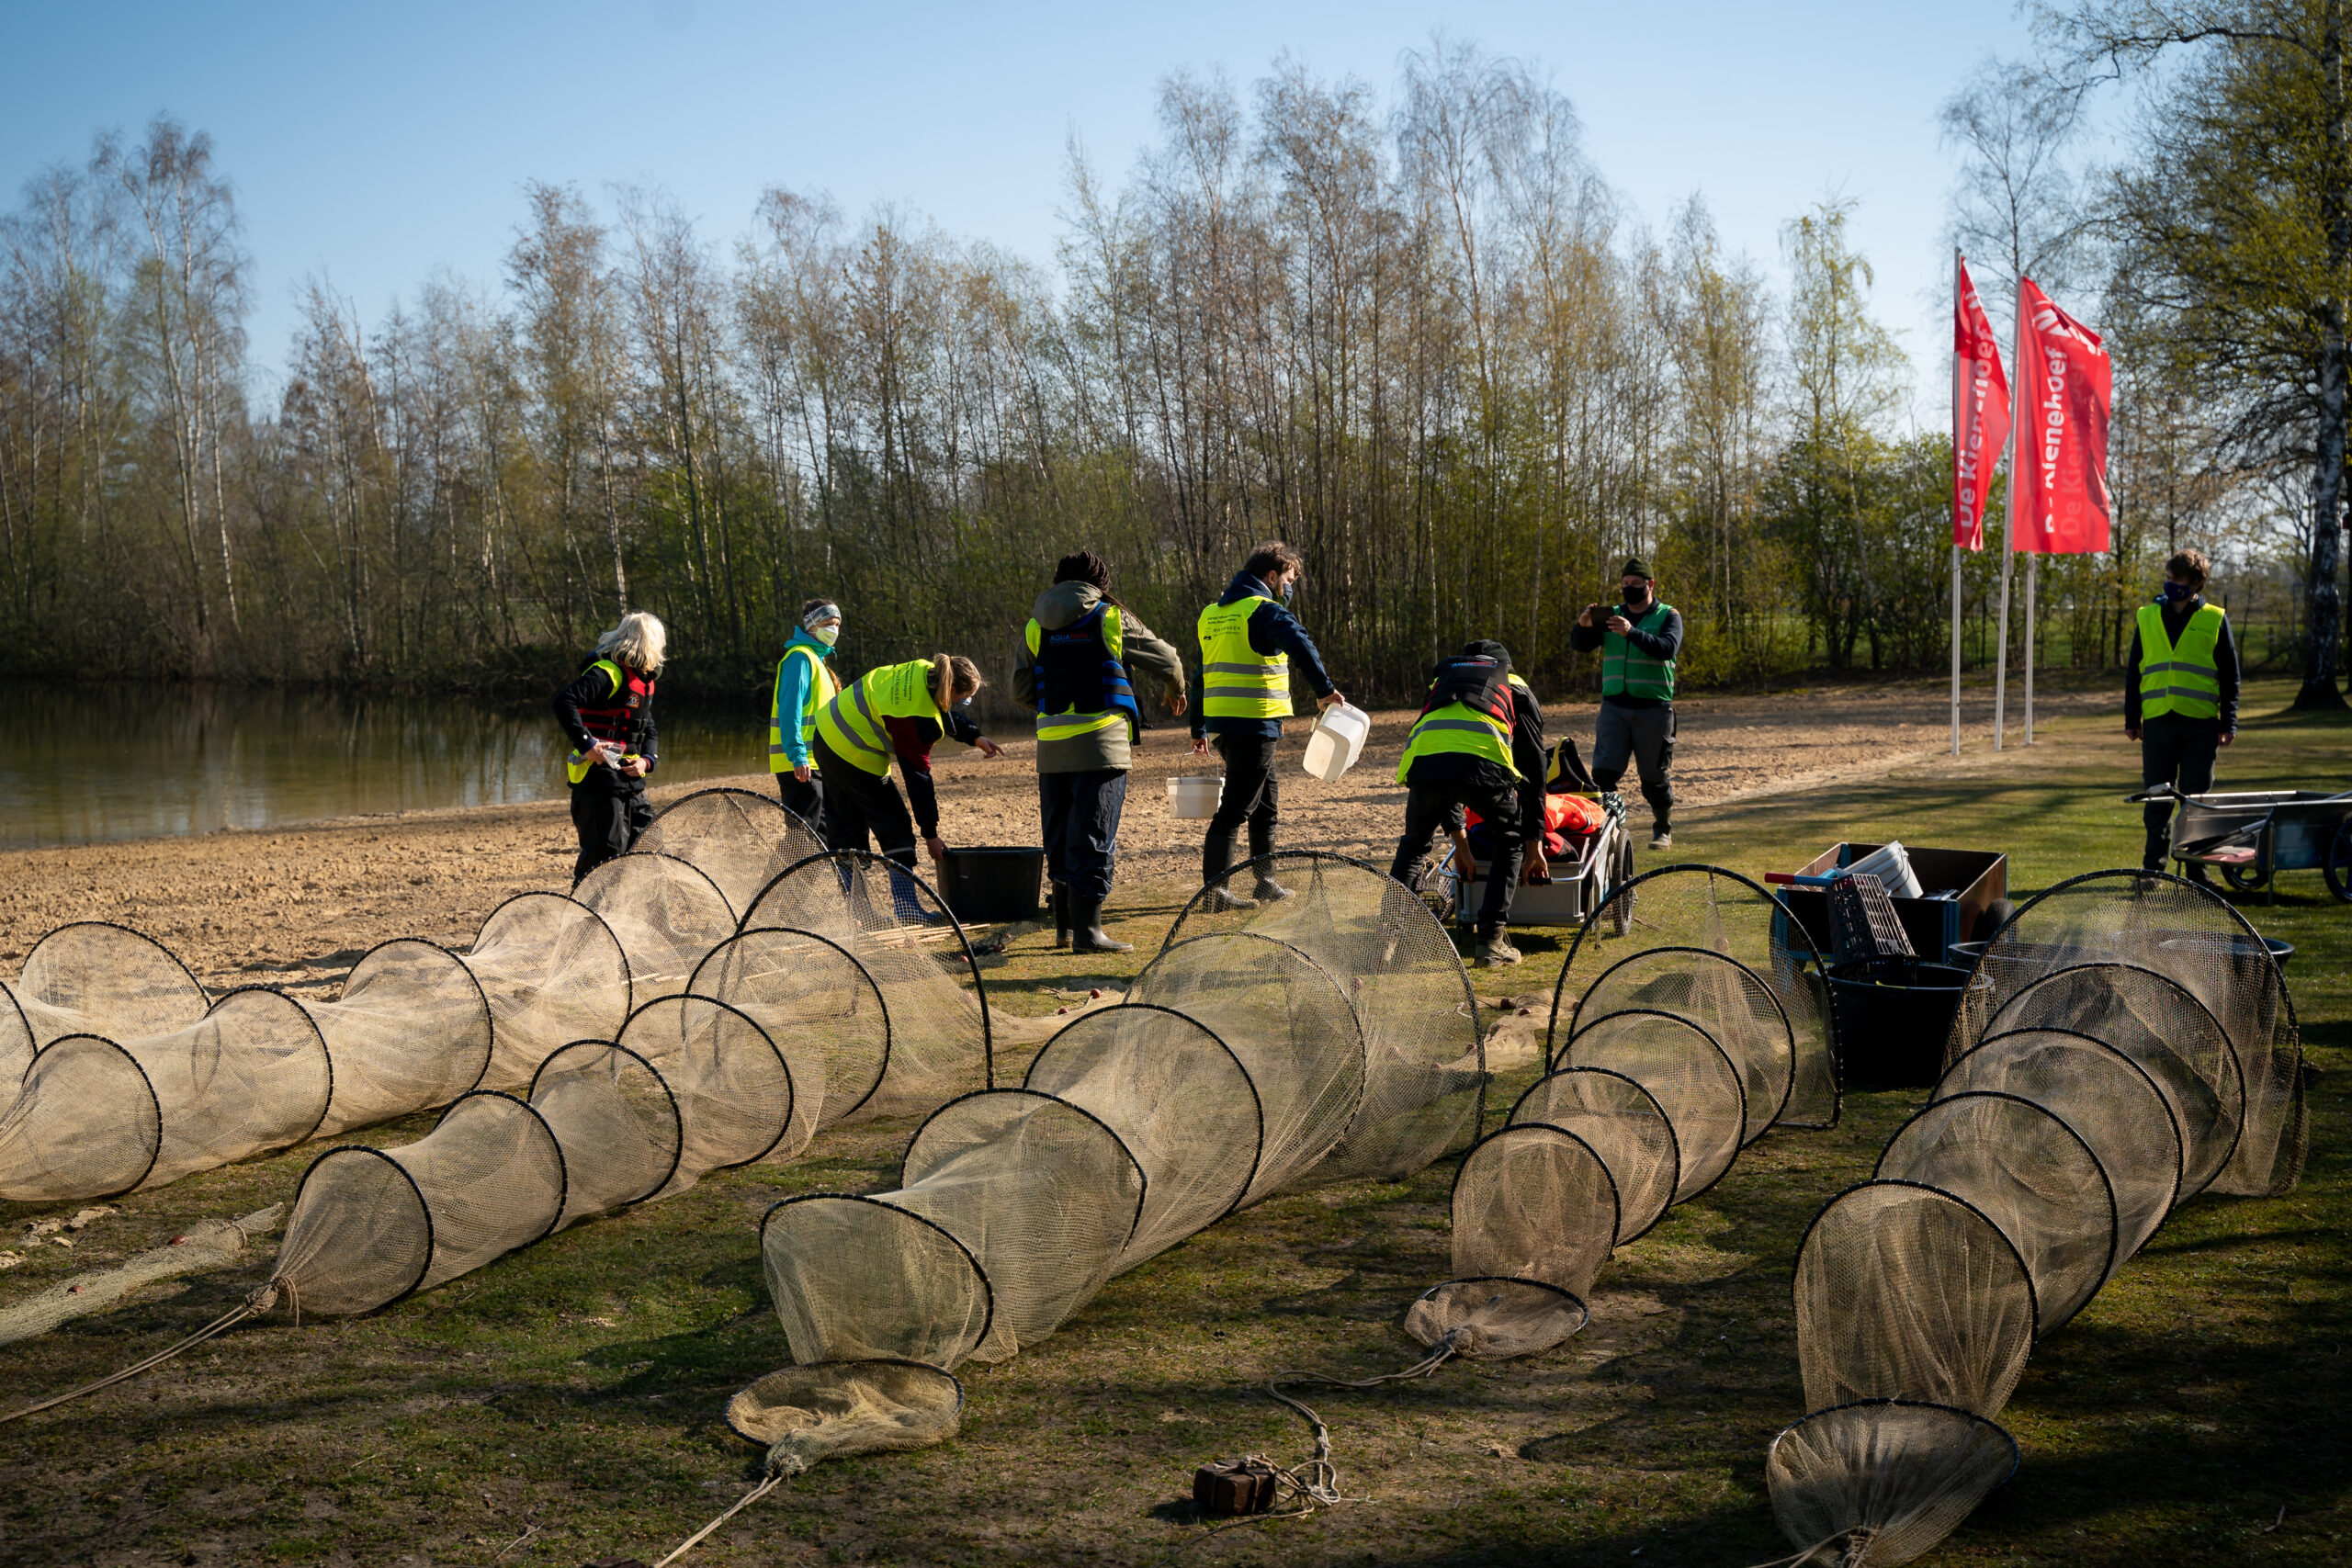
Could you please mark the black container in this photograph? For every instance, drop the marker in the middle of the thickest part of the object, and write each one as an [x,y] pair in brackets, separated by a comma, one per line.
[993,883]
[1893,1015]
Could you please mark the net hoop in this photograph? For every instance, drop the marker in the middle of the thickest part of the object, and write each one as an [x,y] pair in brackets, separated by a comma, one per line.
[791,1087]
[677,1117]
[2034,1294]
[1788,1032]
[154,1102]
[909,1173]
[2179,1137]
[828,1116]
[987,1290]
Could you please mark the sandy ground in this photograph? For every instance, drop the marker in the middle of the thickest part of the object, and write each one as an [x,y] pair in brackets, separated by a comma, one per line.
[295,907]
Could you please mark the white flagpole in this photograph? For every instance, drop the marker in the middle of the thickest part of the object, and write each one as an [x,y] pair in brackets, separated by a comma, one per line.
[1957,304]
[2008,524]
[2032,576]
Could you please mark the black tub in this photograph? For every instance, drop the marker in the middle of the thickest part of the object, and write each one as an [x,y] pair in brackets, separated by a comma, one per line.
[1893,1015]
[993,882]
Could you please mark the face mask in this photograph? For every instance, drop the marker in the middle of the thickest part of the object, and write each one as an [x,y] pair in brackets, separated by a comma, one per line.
[826,635]
[2177,592]
[1290,590]
[1637,596]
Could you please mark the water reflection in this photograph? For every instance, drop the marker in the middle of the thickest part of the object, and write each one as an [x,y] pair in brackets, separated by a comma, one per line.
[79,763]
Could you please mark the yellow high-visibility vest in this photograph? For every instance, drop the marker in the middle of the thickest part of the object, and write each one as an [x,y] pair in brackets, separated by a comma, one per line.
[822,689]
[1236,681]
[852,724]
[1457,728]
[2184,678]
[1112,679]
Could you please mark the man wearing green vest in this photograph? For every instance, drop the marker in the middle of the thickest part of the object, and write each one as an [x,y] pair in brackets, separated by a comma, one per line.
[1638,641]
[1249,641]
[804,684]
[1478,744]
[2180,696]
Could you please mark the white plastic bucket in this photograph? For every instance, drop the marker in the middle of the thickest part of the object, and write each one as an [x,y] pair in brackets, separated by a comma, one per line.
[1338,742]
[1196,796]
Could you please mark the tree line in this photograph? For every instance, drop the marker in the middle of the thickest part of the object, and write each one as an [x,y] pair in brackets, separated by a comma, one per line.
[1413,332]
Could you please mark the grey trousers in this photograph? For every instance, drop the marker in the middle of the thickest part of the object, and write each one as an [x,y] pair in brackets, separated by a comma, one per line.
[1645,738]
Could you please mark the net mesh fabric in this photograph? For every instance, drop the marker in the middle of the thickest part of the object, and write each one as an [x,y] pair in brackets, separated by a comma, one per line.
[739,839]
[616,1121]
[1288,1021]
[731,1088]
[894,924]
[1495,1318]
[666,914]
[1720,911]
[2168,1031]
[2020,1166]
[552,972]
[1885,1479]
[411,1028]
[1622,1122]
[2188,934]
[1725,999]
[1906,1291]
[84,1123]
[854,1278]
[1535,1202]
[1701,1093]
[95,978]
[251,1075]
[1177,1097]
[1424,1087]
[820,1006]
[852,1407]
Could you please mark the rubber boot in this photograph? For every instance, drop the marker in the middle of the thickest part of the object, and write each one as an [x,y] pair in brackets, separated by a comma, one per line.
[1262,844]
[1086,932]
[1216,859]
[1060,898]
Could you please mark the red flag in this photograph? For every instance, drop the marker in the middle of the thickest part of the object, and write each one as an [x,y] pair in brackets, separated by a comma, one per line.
[1980,411]
[2060,475]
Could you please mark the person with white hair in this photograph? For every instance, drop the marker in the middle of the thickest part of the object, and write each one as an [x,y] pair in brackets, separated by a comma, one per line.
[607,713]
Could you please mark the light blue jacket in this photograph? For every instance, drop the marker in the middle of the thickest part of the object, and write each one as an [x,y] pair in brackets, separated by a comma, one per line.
[792,694]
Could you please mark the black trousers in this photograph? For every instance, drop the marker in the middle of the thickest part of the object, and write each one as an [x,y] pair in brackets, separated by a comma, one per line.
[857,803]
[1251,795]
[2176,750]
[609,813]
[1434,806]
[806,801]
[1080,814]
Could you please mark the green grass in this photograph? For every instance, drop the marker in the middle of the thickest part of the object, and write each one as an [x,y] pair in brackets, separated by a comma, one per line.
[573,1391]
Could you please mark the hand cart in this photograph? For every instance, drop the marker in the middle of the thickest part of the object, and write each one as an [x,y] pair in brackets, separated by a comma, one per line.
[1581,880]
[2253,837]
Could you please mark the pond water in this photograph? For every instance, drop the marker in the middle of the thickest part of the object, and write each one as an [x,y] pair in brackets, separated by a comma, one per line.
[82,763]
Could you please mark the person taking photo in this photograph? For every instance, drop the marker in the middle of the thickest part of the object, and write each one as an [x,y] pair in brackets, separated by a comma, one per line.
[1638,641]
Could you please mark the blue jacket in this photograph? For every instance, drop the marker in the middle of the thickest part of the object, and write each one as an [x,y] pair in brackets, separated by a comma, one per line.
[1272,629]
[791,694]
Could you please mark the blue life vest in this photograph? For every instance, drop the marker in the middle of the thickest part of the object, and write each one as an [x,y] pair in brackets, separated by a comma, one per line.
[1081,684]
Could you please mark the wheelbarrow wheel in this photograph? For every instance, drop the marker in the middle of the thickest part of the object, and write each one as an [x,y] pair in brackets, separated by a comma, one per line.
[2246,877]
[2339,864]
[1621,905]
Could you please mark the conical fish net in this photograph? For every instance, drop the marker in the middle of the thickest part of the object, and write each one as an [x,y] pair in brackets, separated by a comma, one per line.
[1721,996]
[723,832]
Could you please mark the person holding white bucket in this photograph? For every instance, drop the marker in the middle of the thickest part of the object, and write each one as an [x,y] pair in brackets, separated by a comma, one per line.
[1477,744]
[1249,641]
[1086,652]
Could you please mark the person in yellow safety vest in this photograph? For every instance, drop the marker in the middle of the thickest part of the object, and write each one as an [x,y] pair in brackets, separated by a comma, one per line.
[804,684]
[2180,696]
[606,712]
[1079,648]
[1250,644]
[1478,744]
[895,713]
[1638,641]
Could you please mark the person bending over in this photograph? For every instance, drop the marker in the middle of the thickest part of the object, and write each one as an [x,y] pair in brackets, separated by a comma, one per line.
[895,713]
[1247,642]
[606,711]
[1477,745]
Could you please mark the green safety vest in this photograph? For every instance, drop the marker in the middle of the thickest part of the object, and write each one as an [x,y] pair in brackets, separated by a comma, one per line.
[1236,681]
[852,724]
[822,688]
[1071,726]
[1457,728]
[1626,670]
[2184,679]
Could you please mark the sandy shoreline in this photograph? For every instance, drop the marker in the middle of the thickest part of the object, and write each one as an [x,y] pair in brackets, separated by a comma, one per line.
[296,906]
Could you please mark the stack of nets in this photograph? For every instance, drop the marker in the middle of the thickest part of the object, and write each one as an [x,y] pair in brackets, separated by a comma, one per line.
[1327,1035]
[2136,1046]
[1695,1026]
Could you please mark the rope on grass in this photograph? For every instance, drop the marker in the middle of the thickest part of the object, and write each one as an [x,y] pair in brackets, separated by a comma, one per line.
[781,1468]
[259,1302]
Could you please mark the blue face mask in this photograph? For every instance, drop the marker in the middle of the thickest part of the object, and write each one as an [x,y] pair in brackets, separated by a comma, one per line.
[2177,592]
[1290,590]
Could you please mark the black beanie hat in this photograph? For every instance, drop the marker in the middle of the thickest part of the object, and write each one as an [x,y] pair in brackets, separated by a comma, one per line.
[1636,566]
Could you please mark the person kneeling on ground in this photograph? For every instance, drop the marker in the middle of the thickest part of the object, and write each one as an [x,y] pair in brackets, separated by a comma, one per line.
[897,711]
[1248,640]
[1638,640]
[2180,697]
[607,713]
[1477,746]
[1080,644]
[804,684]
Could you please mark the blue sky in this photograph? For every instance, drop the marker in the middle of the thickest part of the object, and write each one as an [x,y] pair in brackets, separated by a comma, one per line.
[378,144]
